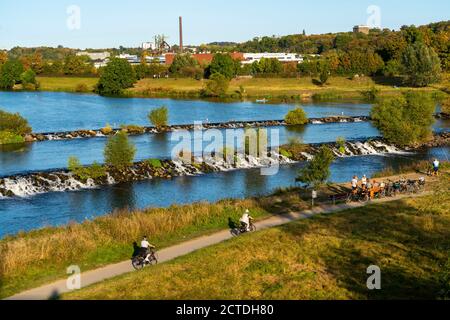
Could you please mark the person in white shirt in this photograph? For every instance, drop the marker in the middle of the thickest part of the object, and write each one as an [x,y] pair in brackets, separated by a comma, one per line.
[146,247]
[355,183]
[364,181]
[245,220]
[436,165]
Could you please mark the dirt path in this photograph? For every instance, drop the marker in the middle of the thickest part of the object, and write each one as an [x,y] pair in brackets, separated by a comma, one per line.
[90,277]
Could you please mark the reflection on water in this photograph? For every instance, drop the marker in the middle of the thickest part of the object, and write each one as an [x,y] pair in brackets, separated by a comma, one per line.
[60,208]
[67,111]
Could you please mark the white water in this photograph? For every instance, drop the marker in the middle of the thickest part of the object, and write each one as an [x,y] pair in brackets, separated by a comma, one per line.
[36,184]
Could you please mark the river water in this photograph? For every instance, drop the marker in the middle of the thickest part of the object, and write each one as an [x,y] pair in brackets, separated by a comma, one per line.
[49,112]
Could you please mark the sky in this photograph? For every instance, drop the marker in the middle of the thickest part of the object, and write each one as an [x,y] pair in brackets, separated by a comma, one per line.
[112,23]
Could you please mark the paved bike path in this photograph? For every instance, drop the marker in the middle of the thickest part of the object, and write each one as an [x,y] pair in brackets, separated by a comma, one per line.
[91,277]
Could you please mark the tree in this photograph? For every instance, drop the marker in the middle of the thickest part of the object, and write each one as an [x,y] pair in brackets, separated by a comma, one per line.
[180,62]
[405,120]
[28,77]
[76,65]
[14,123]
[296,117]
[317,171]
[159,117]
[217,86]
[119,151]
[116,76]
[10,74]
[3,57]
[223,64]
[422,65]
[324,73]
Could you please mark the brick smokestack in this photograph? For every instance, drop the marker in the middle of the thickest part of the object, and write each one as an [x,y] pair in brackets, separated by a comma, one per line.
[181,34]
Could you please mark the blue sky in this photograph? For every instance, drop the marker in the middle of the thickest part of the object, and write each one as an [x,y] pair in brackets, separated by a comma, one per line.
[111,23]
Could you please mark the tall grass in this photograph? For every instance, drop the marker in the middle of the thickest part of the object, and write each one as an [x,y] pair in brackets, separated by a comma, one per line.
[28,258]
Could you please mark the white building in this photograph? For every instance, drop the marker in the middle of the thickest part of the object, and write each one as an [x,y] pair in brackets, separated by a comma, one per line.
[148,46]
[95,55]
[249,58]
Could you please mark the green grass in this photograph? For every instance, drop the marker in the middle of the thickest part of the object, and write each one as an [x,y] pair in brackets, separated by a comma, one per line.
[66,84]
[322,258]
[276,88]
[285,89]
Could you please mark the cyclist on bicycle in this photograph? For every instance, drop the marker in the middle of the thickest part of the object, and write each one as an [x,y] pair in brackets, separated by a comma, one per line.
[146,248]
[245,220]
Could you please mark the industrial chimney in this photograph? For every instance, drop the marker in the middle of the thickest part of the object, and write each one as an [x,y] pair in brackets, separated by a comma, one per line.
[181,34]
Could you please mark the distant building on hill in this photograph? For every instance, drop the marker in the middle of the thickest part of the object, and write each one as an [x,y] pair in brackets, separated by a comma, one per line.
[361,29]
[95,56]
[249,58]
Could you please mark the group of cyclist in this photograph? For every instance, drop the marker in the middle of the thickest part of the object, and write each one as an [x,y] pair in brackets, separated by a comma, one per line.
[367,186]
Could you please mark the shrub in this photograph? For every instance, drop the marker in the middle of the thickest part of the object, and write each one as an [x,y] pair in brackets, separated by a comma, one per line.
[95,171]
[133,129]
[81,88]
[119,151]
[155,163]
[217,86]
[370,95]
[107,130]
[10,74]
[14,123]
[296,117]
[340,142]
[405,120]
[7,137]
[159,117]
[317,171]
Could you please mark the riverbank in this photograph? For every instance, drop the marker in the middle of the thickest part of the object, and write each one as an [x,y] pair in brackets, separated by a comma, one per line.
[273,89]
[32,259]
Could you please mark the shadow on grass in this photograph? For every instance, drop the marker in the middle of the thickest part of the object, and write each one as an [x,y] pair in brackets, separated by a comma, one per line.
[391,236]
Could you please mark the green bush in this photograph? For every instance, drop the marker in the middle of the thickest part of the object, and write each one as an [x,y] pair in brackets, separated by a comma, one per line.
[82,88]
[340,142]
[405,120]
[95,171]
[317,171]
[7,137]
[155,163]
[371,95]
[286,153]
[10,74]
[159,117]
[14,123]
[28,77]
[217,86]
[119,151]
[296,117]
[133,129]
[115,77]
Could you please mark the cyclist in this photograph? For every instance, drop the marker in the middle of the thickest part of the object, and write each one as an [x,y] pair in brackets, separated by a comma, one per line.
[146,248]
[245,220]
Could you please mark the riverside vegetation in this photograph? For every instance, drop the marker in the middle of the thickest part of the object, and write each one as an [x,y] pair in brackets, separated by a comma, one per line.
[13,128]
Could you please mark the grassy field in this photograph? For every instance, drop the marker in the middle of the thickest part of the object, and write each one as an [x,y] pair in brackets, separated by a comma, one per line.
[276,88]
[66,84]
[303,88]
[322,258]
